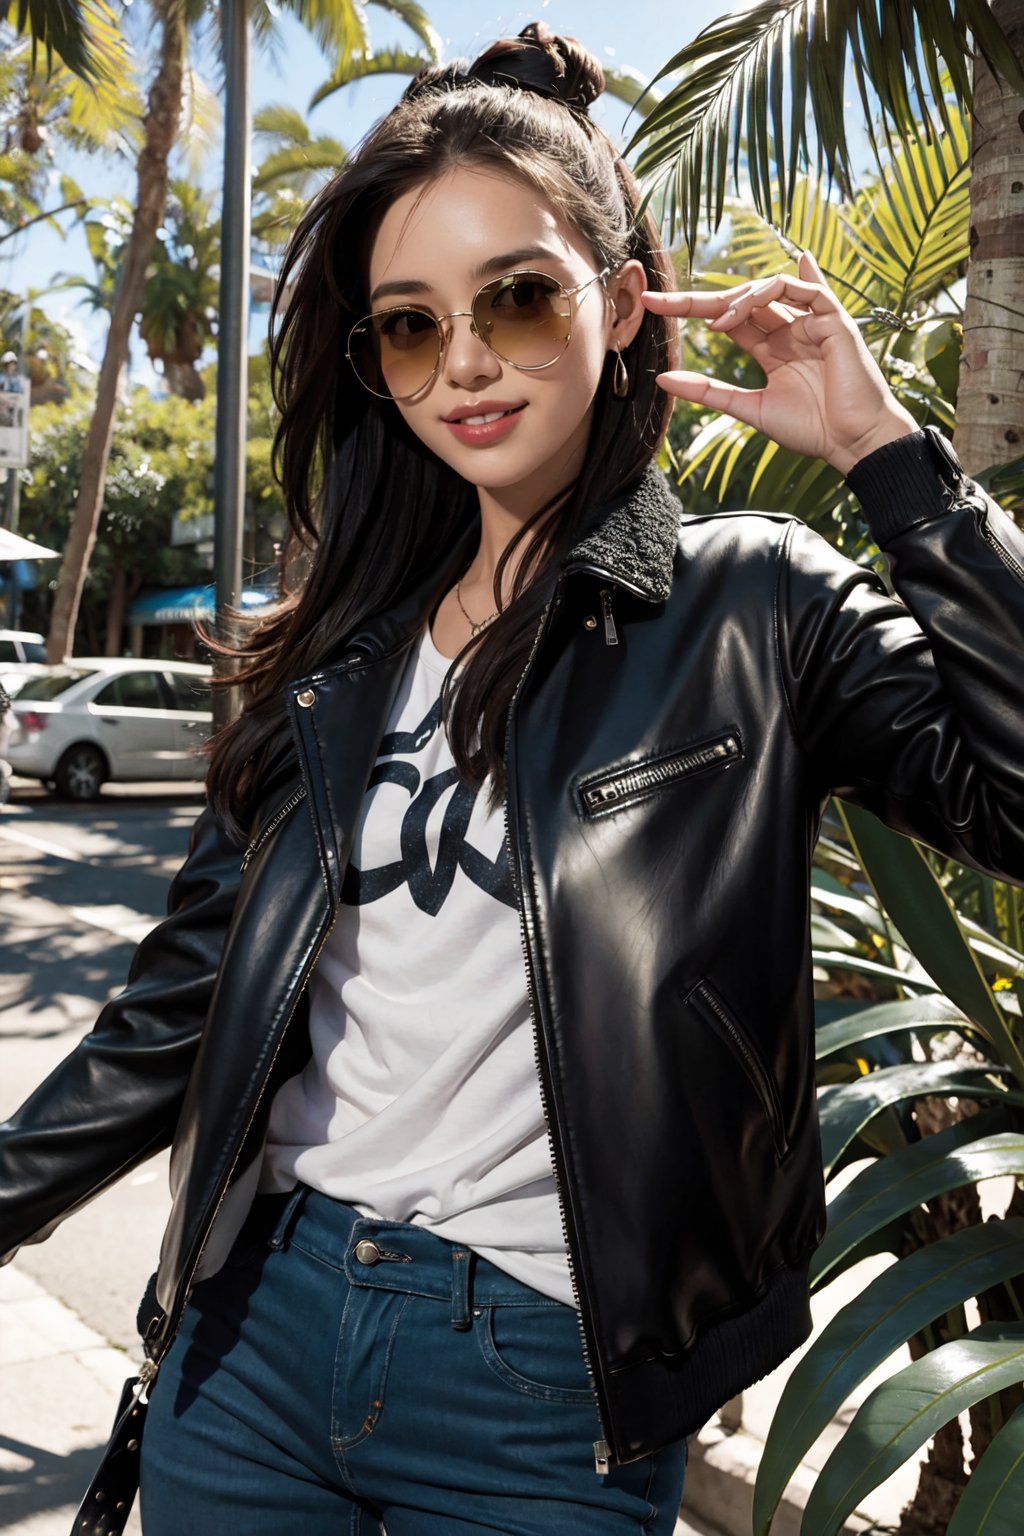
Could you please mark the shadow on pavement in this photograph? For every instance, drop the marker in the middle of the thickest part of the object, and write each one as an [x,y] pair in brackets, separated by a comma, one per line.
[48,1482]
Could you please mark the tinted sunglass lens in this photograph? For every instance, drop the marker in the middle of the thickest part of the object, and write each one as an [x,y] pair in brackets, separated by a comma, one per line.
[526,318]
[395,353]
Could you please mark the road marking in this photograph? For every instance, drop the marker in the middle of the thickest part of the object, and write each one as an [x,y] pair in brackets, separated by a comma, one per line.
[40,843]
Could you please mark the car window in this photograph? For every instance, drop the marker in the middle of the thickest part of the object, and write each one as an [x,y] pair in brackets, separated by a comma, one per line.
[50,685]
[190,690]
[133,690]
[8,651]
[33,650]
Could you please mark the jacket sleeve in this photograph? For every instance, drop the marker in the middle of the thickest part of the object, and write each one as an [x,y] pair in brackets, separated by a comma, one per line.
[913,707]
[115,1099]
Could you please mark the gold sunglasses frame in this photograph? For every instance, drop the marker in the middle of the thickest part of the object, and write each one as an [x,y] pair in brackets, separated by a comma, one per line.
[456,314]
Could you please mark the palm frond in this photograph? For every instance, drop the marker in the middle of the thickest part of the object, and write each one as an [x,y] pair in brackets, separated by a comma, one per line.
[767,70]
[200,120]
[339,27]
[383,61]
[85,35]
[914,234]
[631,86]
[297,162]
[280,121]
[418,22]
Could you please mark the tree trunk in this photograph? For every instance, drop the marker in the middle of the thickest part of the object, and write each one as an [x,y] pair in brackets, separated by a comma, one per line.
[990,398]
[115,610]
[163,114]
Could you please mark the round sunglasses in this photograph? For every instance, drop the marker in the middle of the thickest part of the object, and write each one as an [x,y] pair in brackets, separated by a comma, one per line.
[525,318]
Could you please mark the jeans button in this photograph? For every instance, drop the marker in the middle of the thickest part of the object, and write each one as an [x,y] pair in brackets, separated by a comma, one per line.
[367,1251]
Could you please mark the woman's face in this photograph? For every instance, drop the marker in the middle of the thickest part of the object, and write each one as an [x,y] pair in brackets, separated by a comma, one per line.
[435,247]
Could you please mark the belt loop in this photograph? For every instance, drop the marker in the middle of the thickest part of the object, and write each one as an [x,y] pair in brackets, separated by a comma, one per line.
[287,1217]
[460,1289]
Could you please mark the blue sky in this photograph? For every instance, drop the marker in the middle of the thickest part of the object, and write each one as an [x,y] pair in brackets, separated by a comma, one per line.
[642,33]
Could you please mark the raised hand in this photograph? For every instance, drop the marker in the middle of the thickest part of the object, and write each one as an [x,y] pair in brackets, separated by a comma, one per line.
[825,395]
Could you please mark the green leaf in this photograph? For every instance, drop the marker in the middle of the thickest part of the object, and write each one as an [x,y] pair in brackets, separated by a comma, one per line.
[844,1112]
[383,61]
[964,1153]
[918,1013]
[730,75]
[902,1414]
[904,884]
[991,1503]
[897,1304]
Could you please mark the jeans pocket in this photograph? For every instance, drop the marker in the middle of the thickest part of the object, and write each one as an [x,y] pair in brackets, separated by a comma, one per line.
[536,1350]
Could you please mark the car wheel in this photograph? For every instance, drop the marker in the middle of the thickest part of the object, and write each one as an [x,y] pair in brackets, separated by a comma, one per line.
[80,772]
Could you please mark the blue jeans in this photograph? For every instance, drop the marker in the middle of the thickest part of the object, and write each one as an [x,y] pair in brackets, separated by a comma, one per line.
[423,1393]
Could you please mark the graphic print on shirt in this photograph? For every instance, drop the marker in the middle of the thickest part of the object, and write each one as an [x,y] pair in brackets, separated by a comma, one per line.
[429,886]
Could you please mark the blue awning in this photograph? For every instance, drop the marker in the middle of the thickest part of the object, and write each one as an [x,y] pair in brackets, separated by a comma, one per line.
[182,605]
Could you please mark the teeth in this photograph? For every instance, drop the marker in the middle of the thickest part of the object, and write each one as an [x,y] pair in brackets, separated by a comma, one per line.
[480,421]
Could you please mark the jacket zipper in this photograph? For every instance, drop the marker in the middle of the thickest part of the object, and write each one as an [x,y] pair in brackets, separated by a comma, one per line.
[755,1071]
[1010,561]
[186,1289]
[601,1449]
[275,821]
[611,634]
[631,783]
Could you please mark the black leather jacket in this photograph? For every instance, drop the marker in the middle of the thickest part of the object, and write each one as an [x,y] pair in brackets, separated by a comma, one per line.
[693,697]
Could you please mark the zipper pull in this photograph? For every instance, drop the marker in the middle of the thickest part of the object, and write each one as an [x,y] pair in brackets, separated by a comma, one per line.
[611,634]
[247,858]
[601,1457]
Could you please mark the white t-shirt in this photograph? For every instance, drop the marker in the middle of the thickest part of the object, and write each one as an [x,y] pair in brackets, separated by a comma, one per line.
[421,1100]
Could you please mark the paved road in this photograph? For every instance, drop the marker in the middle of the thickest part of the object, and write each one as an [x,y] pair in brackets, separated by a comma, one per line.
[79,886]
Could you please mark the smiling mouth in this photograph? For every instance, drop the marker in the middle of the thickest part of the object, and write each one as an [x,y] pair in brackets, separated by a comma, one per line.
[484,419]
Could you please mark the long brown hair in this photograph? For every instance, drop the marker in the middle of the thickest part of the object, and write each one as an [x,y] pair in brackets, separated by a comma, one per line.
[368,501]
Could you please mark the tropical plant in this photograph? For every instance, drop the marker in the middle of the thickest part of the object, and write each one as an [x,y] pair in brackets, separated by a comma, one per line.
[294,163]
[775,73]
[84,35]
[161,470]
[341,30]
[920,963]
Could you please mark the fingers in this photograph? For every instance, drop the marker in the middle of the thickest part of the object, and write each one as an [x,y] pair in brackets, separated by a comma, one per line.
[744,404]
[739,301]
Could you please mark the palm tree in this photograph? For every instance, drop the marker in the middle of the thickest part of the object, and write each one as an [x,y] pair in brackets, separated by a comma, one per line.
[179,301]
[341,29]
[160,131]
[777,69]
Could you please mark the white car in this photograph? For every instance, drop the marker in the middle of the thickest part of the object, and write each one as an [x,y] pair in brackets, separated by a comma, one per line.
[22,655]
[93,719]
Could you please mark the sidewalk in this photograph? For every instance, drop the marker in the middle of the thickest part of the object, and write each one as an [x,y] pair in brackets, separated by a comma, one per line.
[56,1371]
[61,1382]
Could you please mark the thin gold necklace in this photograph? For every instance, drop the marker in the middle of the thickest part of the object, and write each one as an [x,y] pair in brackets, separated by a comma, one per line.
[474,628]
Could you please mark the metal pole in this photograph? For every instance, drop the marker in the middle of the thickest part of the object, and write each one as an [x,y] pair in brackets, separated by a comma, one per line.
[232,356]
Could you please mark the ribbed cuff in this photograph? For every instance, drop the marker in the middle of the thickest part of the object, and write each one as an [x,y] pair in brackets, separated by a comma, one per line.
[908,481]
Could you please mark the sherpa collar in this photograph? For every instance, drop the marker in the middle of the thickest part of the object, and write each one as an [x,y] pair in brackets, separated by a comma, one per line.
[633,540]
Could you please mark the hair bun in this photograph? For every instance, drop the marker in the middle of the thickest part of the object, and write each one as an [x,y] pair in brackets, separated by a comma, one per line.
[540,61]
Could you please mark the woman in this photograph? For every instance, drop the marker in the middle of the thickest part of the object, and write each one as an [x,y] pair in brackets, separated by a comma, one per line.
[495,1173]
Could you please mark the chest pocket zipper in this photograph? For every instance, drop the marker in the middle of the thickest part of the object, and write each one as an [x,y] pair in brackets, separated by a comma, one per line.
[608,791]
[712,1009]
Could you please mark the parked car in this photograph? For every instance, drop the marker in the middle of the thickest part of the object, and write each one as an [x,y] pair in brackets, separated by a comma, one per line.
[91,720]
[18,646]
[22,655]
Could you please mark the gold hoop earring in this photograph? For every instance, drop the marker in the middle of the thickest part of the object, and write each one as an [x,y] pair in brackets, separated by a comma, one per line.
[620,380]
